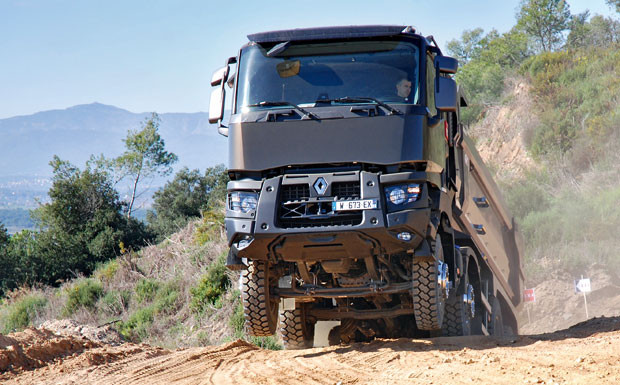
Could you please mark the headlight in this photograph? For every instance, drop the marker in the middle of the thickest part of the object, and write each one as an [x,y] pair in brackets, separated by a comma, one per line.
[242,201]
[402,193]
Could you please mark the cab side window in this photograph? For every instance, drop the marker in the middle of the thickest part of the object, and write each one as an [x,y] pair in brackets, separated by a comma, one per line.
[430,84]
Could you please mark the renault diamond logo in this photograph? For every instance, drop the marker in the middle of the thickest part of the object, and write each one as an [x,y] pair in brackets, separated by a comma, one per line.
[320,186]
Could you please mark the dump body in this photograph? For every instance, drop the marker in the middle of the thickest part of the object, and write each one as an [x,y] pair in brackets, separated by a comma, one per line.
[355,194]
[484,216]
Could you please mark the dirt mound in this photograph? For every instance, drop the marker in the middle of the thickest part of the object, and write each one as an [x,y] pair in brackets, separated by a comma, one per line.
[586,353]
[34,348]
[558,307]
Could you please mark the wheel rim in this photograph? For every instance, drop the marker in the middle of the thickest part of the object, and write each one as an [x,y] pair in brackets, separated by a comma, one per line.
[469,300]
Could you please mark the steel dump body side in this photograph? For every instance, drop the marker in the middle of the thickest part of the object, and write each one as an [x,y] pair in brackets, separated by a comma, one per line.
[485,218]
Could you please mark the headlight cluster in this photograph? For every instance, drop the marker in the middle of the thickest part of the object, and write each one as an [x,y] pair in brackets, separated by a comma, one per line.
[402,193]
[242,201]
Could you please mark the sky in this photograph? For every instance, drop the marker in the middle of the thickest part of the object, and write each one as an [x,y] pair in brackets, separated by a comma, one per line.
[156,55]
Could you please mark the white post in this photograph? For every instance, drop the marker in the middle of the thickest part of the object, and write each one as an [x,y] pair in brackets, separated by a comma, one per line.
[585,302]
[529,319]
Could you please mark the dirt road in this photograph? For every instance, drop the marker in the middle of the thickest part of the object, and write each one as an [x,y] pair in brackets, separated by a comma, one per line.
[584,354]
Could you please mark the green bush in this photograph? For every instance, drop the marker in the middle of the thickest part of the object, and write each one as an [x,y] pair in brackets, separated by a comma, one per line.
[146,289]
[20,314]
[166,298]
[157,299]
[106,271]
[211,286]
[576,94]
[115,302]
[211,226]
[138,325]
[527,195]
[84,293]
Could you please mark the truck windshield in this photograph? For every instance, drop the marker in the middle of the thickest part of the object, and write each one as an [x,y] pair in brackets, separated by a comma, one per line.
[312,75]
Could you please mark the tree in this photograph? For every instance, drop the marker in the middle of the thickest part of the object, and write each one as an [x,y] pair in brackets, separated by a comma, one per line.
[145,156]
[614,4]
[545,21]
[579,30]
[185,197]
[468,47]
[81,226]
[600,31]
[6,265]
[508,50]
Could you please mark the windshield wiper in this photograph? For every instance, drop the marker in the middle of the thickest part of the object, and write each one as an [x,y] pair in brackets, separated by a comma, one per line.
[359,99]
[285,104]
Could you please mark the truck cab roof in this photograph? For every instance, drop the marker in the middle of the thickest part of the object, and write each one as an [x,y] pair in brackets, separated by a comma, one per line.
[323,33]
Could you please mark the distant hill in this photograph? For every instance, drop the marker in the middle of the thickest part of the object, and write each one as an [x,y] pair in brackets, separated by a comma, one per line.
[27,143]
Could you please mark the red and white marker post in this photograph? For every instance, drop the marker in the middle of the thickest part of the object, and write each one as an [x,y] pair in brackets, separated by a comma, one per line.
[529,296]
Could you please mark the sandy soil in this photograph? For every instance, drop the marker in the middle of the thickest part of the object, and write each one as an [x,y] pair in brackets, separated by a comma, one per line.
[586,353]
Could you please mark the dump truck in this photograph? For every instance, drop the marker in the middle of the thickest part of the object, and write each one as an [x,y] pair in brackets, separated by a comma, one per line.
[355,194]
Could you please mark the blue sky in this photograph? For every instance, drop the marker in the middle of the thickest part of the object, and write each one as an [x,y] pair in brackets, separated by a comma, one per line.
[159,55]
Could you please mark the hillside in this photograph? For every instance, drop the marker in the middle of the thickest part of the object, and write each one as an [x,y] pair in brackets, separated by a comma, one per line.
[174,294]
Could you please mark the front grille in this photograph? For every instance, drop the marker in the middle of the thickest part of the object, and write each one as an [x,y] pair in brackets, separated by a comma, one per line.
[294,192]
[346,190]
[298,210]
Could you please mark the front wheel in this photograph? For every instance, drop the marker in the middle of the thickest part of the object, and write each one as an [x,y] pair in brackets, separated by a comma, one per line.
[430,282]
[259,309]
[296,329]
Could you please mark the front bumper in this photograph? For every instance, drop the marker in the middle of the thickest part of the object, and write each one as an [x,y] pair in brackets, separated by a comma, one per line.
[264,238]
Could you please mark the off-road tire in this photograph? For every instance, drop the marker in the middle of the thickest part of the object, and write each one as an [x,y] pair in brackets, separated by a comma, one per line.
[296,331]
[343,333]
[428,301]
[496,326]
[455,321]
[260,311]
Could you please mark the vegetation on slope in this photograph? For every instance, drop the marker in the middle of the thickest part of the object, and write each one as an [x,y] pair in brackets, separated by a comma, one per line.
[567,205]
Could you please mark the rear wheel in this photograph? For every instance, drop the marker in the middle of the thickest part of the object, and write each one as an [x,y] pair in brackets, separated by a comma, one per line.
[343,333]
[429,290]
[460,311]
[296,330]
[260,310]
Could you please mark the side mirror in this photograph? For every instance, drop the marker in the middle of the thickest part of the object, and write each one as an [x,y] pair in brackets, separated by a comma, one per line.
[218,95]
[446,64]
[446,99]
[216,105]
[219,76]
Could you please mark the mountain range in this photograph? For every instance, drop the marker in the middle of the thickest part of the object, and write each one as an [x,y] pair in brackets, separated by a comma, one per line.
[28,143]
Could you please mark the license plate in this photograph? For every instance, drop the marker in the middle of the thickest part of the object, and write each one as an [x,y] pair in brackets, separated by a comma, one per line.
[363,204]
